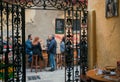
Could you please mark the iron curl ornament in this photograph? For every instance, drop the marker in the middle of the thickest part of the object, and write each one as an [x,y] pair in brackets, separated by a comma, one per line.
[51,4]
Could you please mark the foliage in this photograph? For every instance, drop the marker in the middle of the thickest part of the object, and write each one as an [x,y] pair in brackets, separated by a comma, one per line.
[2,71]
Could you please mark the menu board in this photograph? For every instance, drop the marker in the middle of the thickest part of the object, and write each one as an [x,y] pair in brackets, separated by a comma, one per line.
[59,26]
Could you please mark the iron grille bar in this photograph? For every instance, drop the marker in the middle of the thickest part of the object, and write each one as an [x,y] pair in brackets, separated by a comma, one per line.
[13,41]
[6,53]
[65,37]
[80,46]
[76,71]
[17,53]
[1,28]
[73,43]
[23,45]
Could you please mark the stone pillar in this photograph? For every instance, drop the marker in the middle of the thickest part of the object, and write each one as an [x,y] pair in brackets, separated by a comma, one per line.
[92,56]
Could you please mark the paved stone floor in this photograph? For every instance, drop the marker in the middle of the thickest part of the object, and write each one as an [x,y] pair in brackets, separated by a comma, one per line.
[45,76]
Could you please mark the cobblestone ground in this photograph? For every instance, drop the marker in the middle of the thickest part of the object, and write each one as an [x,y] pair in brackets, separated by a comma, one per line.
[45,76]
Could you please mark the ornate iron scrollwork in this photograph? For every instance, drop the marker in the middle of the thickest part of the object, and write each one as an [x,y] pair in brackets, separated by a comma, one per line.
[75,10]
[77,32]
[84,44]
[50,4]
[11,29]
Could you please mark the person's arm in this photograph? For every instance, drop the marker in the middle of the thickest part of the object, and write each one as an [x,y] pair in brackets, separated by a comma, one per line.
[51,45]
[63,45]
[40,48]
[29,45]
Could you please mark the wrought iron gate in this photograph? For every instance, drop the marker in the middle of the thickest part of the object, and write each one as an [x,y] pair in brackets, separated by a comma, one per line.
[12,22]
[76,41]
[12,39]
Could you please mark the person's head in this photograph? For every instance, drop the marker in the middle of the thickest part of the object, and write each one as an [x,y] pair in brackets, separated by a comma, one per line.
[51,37]
[36,40]
[30,36]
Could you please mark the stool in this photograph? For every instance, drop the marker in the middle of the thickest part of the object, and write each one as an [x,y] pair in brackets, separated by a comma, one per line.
[59,61]
[35,63]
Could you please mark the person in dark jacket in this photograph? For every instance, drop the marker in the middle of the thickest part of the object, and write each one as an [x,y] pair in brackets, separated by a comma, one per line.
[52,50]
[37,50]
[28,45]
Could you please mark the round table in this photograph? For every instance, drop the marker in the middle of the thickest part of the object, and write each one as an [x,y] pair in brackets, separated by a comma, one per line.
[92,74]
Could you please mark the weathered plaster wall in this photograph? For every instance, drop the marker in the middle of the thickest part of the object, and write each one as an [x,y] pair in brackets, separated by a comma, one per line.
[107,34]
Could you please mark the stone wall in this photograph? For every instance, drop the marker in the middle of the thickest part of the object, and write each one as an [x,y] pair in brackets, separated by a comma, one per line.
[107,35]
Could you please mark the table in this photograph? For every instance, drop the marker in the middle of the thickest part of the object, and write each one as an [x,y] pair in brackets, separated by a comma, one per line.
[100,78]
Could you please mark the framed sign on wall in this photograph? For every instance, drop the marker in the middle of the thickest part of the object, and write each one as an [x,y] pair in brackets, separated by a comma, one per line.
[59,26]
[111,8]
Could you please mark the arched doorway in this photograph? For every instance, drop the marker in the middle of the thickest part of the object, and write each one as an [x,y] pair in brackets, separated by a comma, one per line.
[75,17]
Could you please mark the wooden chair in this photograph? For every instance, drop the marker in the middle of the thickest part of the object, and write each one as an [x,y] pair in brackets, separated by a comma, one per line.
[35,63]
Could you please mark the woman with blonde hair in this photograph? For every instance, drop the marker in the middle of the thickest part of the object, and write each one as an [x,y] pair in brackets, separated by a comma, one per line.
[37,50]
